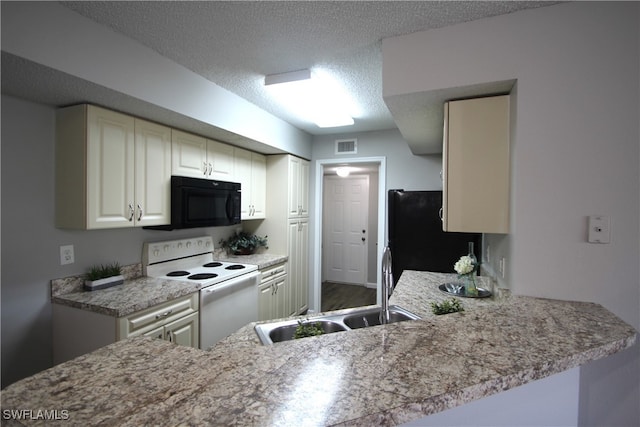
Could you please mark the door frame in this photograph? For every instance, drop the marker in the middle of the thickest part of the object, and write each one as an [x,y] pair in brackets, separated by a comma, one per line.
[316,265]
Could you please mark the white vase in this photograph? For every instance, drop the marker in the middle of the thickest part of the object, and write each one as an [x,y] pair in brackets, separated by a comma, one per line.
[107,282]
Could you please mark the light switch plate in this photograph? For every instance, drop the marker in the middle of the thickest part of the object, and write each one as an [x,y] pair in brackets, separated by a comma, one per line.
[599,229]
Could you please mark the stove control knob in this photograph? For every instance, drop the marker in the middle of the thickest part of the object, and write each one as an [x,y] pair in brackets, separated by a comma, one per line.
[165,248]
[188,244]
[156,252]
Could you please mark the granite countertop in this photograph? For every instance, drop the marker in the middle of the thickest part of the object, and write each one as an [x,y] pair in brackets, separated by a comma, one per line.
[139,292]
[382,375]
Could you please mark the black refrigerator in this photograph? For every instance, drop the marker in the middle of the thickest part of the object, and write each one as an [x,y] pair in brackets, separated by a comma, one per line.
[416,239]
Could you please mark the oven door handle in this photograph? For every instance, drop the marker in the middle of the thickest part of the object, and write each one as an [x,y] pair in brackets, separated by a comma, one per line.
[212,292]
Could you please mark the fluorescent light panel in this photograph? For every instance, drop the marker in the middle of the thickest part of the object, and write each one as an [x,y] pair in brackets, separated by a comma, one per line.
[309,97]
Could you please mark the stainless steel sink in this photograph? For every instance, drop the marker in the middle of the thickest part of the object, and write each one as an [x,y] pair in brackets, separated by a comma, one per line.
[286,332]
[372,317]
[356,318]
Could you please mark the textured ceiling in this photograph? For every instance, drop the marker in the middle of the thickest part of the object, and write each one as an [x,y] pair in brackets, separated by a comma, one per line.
[235,44]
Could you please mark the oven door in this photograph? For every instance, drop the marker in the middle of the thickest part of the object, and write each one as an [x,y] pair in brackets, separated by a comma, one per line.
[204,203]
[227,307]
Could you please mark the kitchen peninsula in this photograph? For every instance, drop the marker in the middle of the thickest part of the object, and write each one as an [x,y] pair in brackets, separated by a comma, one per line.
[383,375]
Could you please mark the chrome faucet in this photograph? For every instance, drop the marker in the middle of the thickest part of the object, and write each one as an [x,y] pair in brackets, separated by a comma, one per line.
[387,284]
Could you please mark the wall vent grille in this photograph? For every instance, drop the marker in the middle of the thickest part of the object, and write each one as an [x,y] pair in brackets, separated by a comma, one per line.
[346,146]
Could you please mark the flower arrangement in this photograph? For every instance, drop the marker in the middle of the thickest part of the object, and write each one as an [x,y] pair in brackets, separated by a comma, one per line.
[243,243]
[466,267]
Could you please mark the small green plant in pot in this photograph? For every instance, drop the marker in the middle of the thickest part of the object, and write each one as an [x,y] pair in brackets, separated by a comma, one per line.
[244,243]
[103,276]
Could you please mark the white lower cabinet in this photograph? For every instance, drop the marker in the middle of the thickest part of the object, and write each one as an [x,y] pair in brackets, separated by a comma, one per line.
[77,332]
[273,293]
[183,331]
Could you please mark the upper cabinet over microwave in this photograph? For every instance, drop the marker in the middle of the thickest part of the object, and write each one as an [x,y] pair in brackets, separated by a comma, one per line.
[475,166]
[102,178]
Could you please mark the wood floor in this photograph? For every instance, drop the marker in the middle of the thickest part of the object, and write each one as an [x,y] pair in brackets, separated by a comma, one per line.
[336,296]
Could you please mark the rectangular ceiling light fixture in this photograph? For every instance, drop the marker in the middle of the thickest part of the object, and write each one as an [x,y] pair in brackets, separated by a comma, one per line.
[306,94]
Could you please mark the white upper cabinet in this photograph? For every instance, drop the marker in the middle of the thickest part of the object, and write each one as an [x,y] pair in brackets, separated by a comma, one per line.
[250,172]
[298,187]
[98,181]
[189,155]
[199,157]
[152,173]
[220,159]
[476,165]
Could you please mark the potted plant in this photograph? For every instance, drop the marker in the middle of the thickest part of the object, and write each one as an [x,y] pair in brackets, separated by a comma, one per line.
[243,243]
[103,276]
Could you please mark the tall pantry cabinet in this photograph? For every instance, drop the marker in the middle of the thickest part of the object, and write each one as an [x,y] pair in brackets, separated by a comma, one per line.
[287,224]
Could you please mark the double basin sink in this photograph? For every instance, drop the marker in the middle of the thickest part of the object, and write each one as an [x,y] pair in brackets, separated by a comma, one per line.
[356,318]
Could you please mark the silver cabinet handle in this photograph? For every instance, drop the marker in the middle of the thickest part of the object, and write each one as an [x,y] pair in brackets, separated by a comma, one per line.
[210,168]
[131,212]
[139,212]
[165,314]
[440,212]
[205,168]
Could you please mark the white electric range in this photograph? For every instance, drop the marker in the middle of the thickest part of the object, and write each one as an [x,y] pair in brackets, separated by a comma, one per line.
[229,293]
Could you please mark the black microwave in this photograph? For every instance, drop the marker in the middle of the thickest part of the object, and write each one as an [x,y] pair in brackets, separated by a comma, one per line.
[197,202]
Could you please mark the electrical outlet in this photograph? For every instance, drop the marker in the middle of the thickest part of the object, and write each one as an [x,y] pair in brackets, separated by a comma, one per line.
[503,266]
[66,255]
[488,253]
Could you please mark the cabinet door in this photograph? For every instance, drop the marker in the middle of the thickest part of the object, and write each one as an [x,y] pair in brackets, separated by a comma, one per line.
[476,165]
[298,187]
[110,169]
[184,331]
[281,300]
[302,259]
[153,174]
[220,161]
[294,173]
[188,154]
[243,176]
[299,264]
[157,333]
[265,301]
[303,187]
[258,185]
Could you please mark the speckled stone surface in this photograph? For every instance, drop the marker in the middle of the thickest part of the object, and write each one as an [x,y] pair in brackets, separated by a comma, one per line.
[138,293]
[262,260]
[382,375]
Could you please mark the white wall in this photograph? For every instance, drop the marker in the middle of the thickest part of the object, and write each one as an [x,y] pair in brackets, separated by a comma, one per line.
[575,154]
[30,242]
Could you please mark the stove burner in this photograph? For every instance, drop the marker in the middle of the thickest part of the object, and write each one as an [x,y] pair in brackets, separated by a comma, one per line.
[202,276]
[178,273]
[213,264]
[235,267]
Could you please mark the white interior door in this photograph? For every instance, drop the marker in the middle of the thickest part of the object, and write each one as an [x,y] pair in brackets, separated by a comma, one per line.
[345,217]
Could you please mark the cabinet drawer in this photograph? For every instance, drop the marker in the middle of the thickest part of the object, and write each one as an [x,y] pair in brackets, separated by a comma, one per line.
[273,272]
[158,315]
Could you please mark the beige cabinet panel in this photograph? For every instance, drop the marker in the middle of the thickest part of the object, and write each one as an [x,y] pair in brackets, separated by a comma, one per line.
[220,161]
[184,331]
[112,170]
[189,154]
[476,165]
[152,174]
[250,172]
